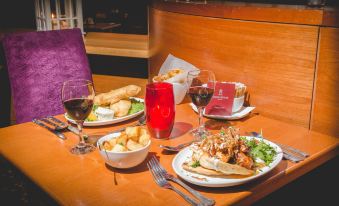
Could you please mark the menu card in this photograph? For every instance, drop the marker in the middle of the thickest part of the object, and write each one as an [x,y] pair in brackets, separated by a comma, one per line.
[222,101]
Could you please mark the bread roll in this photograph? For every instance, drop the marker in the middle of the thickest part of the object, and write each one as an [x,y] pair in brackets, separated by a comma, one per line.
[225,168]
[121,108]
[116,95]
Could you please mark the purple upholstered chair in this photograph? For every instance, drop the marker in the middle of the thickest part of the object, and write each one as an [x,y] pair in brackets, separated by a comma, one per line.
[38,63]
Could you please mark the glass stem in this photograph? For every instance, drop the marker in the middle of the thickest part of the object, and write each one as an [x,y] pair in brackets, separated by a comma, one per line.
[81,137]
[201,123]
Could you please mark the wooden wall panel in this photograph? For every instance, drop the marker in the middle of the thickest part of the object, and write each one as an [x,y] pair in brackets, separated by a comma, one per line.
[326,98]
[276,61]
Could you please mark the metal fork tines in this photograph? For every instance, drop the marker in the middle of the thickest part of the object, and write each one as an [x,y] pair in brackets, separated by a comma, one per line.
[159,168]
[60,125]
[56,126]
[57,133]
[162,182]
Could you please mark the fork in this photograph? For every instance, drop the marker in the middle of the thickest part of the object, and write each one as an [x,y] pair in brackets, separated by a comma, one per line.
[157,166]
[56,132]
[162,182]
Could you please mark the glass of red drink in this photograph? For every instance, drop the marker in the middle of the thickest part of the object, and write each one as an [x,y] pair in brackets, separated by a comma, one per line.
[77,98]
[201,88]
[160,109]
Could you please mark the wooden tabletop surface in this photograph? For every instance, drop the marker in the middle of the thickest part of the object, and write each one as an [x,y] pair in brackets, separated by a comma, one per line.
[86,180]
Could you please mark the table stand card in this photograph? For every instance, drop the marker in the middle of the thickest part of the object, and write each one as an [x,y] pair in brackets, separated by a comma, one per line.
[222,101]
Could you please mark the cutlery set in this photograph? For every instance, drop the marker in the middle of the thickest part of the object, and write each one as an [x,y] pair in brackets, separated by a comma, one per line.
[55,126]
[160,175]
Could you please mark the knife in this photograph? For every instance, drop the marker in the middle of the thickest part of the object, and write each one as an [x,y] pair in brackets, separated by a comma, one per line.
[58,134]
[63,124]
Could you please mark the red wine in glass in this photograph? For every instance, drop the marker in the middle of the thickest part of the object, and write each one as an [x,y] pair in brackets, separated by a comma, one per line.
[201,88]
[200,95]
[78,108]
[77,98]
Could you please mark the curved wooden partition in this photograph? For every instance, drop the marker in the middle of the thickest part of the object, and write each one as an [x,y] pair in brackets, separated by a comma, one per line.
[275,60]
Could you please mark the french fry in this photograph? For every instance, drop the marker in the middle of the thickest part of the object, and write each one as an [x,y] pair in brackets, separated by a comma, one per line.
[112,142]
[122,139]
[119,148]
[132,145]
[133,133]
[132,138]
[144,139]
[107,146]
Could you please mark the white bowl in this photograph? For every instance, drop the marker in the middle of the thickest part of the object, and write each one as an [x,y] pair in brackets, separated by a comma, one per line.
[238,103]
[179,91]
[123,160]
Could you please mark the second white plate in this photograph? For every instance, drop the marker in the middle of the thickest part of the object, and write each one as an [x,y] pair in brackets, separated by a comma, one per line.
[111,121]
[207,181]
[243,112]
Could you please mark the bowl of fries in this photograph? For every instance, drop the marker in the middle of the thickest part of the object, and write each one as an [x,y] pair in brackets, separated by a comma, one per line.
[177,77]
[125,149]
[239,96]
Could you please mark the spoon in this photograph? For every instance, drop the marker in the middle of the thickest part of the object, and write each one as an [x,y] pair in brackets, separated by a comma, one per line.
[176,148]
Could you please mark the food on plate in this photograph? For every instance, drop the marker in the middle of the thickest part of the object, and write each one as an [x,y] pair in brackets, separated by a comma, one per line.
[103,113]
[168,75]
[92,116]
[116,103]
[133,138]
[136,106]
[108,98]
[121,108]
[226,153]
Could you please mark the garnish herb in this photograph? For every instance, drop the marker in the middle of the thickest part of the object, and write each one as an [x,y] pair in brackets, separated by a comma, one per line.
[195,164]
[136,106]
[261,150]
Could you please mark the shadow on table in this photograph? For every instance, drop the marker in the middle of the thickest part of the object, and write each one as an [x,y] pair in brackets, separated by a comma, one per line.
[217,124]
[17,189]
[139,168]
[180,128]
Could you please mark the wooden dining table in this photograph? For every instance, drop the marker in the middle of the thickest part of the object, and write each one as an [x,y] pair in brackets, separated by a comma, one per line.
[86,179]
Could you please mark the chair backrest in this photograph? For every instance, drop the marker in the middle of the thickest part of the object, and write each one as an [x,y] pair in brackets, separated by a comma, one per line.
[38,63]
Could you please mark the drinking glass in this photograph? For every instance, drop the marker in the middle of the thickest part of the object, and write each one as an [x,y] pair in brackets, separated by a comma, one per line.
[160,109]
[201,84]
[77,98]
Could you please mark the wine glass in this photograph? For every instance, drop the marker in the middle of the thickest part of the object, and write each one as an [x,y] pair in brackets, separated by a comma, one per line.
[201,84]
[77,98]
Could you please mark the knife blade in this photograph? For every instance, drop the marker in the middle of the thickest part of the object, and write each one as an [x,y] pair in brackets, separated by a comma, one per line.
[58,134]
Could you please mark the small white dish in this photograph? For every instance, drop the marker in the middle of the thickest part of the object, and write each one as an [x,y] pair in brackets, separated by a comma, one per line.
[238,103]
[207,181]
[123,160]
[243,112]
[107,122]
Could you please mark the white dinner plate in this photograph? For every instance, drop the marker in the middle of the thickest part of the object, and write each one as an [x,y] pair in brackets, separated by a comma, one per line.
[111,121]
[243,112]
[207,181]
